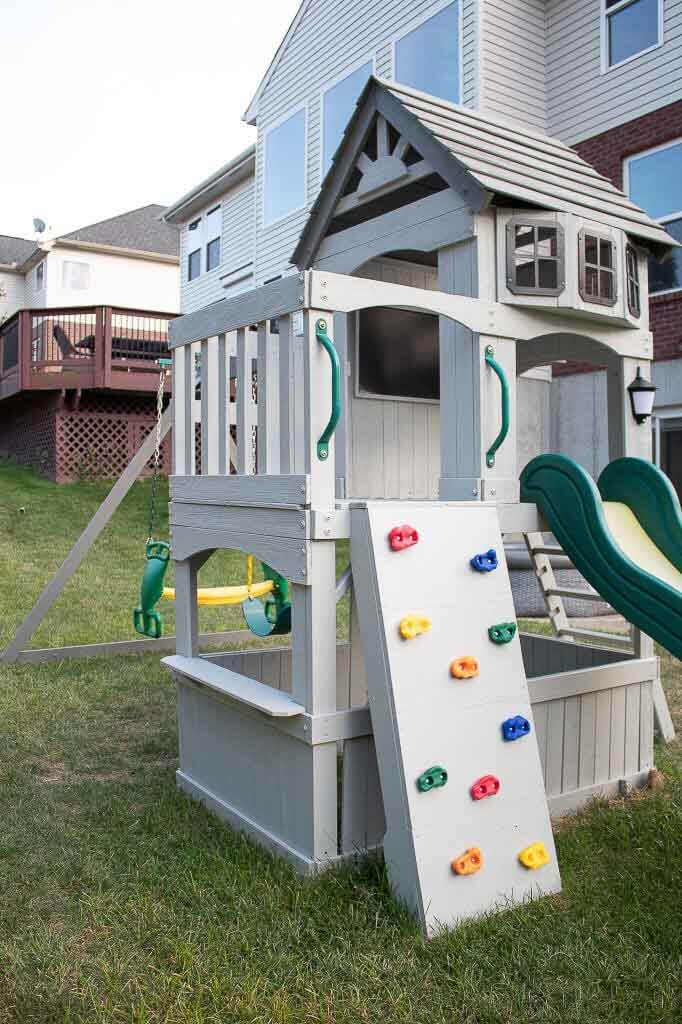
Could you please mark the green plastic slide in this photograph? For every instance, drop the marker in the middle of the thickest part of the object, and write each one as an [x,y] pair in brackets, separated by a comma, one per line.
[624,534]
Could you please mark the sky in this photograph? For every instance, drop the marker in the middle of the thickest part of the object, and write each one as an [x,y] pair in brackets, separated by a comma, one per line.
[113,104]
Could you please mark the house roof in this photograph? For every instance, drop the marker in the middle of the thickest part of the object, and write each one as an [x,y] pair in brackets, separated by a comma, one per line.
[15,250]
[498,157]
[142,230]
[251,112]
[235,170]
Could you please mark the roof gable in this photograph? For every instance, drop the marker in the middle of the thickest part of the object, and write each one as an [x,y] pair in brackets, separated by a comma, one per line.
[251,113]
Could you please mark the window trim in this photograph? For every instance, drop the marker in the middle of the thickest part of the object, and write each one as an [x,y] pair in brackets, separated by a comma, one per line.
[602,236]
[216,238]
[358,393]
[330,85]
[39,287]
[420,20]
[535,222]
[677,215]
[604,15]
[267,224]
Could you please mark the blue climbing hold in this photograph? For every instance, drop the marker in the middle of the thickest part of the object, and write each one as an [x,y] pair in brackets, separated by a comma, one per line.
[514,728]
[485,562]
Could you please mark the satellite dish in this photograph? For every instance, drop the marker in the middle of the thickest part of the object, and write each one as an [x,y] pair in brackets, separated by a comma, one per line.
[38,225]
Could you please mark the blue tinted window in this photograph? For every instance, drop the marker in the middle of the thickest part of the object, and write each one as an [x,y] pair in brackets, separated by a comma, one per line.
[337,107]
[656,181]
[285,168]
[666,274]
[194,264]
[427,58]
[631,29]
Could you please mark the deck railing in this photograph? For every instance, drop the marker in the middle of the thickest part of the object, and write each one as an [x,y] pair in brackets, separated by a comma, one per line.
[82,347]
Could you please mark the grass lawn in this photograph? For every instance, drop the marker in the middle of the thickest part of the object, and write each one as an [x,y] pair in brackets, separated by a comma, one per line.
[124,902]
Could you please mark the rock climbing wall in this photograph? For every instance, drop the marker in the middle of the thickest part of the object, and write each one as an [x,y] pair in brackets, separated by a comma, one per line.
[468,829]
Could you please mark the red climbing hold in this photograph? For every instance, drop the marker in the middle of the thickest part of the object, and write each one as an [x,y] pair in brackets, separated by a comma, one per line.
[487,785]
[402,537]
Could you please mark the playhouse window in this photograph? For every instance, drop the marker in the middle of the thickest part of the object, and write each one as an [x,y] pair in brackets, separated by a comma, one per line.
[654,182]
[284,179]
[427,58]
[397,354]
[535,257]
[337,106]
[630,27]
[597,259]
[632,270]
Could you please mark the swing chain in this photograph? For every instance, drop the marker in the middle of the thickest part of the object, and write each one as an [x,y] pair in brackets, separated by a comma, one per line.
[157,452]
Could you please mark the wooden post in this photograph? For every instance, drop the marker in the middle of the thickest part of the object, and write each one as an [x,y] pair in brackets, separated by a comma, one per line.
[186,608]
[25,354]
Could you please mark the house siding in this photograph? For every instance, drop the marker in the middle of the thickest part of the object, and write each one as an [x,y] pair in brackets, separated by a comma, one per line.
[332,36]
[582,101]
[12,294]
[513,60]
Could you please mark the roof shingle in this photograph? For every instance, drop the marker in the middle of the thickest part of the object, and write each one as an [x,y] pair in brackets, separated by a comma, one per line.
[15,250]
[140,229]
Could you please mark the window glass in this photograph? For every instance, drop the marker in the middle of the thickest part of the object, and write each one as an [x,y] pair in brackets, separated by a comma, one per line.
[213,254]
[337,107]
[398,353]
[597,269]
[40,275]
[284,184]
[427,58]
[75,275]
[666,274]
[631,27]
[535,258]
[194,264]
[655,184]
[632,269]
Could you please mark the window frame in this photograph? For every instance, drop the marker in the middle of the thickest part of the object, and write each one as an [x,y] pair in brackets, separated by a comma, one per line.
[267,224]
[421,20]
[75,263]
[358,393]
[636,283]
[40,285]
[605,14]
[535,222]
[601,236]
[327,88]
[677,215]
[216,238]
[193,277]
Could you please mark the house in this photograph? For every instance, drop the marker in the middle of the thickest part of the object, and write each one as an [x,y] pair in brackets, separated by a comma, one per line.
[83,317]
[603,76]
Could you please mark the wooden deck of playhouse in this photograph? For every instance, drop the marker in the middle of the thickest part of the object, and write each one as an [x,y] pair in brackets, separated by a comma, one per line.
[262,732]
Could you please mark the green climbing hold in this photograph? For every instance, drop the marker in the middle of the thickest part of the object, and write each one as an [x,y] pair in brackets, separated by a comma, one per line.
[502,632]
[432,778]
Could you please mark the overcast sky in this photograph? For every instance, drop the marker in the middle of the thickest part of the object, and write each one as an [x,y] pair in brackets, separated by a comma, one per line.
[113,104]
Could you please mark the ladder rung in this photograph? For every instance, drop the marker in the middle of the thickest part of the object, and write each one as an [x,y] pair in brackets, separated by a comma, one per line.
[581,595]
[549,550]
[594,634]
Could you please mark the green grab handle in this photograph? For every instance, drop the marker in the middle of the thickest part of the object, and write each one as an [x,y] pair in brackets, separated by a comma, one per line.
[504,429]
[323,443]
[146,619]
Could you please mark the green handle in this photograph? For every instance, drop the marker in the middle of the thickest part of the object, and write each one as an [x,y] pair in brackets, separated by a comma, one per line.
[504,429]
[323,443]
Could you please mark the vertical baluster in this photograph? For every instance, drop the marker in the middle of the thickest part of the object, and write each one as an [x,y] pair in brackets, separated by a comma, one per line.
[223,421]
[244,401]
[268,405]
[209,406]
[179,413]
[286,395]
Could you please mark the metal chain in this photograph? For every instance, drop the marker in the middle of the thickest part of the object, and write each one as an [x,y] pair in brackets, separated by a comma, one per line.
[157,452]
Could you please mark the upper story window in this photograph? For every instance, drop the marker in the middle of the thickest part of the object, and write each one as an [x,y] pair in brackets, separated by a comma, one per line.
[597,268]
[212,227]
[194,247]
[654,181]
[428,58]
[632,275]
[284,176]
[40,276]
[75,275]
[630,27]
[337,107]
[535,257]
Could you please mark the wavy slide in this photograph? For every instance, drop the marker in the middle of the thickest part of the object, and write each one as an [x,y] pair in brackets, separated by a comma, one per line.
[624,534]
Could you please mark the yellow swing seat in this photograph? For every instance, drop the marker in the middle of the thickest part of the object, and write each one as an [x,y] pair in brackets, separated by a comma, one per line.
[215,596]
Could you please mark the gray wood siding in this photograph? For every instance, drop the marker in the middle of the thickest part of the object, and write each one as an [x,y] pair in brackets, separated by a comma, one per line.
[582,101]
[513,60]
[335,35]
[236,248]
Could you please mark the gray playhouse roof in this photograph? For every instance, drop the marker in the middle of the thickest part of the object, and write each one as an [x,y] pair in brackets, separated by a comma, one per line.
[499,157]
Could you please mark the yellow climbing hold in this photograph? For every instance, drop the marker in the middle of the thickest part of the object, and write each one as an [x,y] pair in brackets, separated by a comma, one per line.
[534,856]
[412,625]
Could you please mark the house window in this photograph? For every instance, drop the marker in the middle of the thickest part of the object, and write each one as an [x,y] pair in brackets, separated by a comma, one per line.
[630,27]
[397,354]
[194,255]
[40,276]
[337,107]
[75,275]
[284,178]
[632,273]
[212,226]
[597,268]
[654,182]
[535,257]
[193,264]
[427,58]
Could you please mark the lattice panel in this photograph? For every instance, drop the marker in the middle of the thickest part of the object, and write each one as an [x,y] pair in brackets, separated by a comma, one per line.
[27,433]
[93,445]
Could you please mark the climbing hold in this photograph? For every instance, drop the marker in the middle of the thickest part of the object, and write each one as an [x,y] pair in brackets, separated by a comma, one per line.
[432,778]
[485,562]
[412,625]
[469,863]
[402,537]
[487,785]
[534,856]
[464,668]
[514,728]
[502,633]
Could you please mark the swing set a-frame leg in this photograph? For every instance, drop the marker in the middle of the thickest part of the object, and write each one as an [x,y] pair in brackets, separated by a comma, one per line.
[87,538]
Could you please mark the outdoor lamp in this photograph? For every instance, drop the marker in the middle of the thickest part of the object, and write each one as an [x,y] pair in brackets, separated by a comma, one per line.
[642,393]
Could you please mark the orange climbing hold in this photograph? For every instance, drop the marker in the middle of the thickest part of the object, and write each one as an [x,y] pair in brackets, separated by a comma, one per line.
[469,863]
[412,625]
[534,856]
[465,667]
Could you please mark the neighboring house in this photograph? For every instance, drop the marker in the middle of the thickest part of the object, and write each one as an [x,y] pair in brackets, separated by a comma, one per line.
[83,318]
[604,76]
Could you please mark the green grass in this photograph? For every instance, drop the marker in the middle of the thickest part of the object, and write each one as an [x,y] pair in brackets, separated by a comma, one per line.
[124,902]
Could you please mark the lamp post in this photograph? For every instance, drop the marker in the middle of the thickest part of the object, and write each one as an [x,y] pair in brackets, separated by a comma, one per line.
[642,393]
